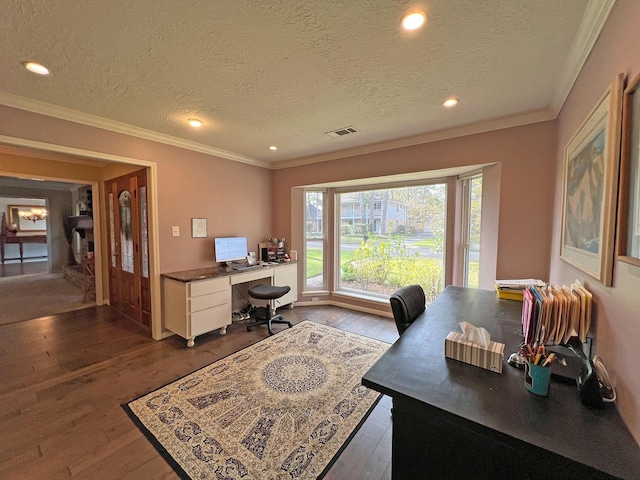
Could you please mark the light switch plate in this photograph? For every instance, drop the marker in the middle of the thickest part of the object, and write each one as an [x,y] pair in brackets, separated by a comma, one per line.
[175,231]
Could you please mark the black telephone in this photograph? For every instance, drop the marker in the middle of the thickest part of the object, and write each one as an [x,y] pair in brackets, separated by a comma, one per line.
[593,383]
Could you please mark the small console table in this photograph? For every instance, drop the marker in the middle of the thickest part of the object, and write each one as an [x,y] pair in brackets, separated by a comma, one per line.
[88,276]
[20,240]
[454,420]
[200,301]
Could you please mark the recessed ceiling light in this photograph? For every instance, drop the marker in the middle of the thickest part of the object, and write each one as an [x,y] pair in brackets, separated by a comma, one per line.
[273,148]
[450,102]
[413,20]
[194,122]
[37,68]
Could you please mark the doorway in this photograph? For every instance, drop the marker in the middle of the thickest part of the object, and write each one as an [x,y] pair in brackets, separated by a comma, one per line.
[39,276]
[128,246]
[34,160]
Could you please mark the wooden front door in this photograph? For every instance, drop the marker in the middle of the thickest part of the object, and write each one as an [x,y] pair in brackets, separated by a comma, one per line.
[126,202]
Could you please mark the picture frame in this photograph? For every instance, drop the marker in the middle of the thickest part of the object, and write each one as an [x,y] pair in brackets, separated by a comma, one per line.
[591,166]
[17,218]
[628,229]
[198,227]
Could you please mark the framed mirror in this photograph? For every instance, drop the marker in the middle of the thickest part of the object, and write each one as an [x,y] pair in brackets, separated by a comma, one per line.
[28,218]
[628,239]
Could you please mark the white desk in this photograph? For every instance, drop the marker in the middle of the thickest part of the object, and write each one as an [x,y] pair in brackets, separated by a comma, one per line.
[200,301]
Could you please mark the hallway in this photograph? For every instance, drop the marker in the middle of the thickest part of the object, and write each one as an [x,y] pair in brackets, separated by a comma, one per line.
[29,291]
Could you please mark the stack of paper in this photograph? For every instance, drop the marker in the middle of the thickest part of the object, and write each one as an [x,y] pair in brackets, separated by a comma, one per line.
[518,285]
[512,289]
[553,314]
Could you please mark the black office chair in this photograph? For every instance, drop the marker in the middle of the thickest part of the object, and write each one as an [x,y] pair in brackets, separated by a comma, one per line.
[267,315]
[407,304]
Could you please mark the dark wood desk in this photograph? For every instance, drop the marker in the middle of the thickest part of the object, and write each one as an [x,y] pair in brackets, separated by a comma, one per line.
[453,420]
[20,240]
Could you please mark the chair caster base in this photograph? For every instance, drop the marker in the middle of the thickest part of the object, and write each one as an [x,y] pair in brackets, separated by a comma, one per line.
[268,324]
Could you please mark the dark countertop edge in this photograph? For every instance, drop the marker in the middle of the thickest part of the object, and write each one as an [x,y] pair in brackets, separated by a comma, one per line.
[207,273]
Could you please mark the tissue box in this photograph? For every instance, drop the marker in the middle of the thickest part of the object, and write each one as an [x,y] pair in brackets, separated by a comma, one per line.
[489,358]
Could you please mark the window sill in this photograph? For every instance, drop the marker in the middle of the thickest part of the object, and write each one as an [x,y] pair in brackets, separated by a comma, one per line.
[361,297]
[315,293]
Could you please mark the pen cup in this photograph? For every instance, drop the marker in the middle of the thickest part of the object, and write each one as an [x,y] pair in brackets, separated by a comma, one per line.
[536,378]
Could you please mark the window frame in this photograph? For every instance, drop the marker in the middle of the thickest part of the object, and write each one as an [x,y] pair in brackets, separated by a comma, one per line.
[465,230]
[336,222]
[323,238]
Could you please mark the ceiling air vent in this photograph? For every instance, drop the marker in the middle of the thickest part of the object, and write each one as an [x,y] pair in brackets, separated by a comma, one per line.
[341,132]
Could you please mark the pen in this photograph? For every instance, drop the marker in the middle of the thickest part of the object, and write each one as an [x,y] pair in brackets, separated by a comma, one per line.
[549,360]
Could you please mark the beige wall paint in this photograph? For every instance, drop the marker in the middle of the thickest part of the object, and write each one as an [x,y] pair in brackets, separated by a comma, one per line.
[617,326]
[15,165]
[114,170]
[234,198]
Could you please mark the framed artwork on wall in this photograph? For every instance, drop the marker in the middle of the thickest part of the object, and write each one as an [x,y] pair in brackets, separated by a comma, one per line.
[591,165]
[198,227]
[628,238]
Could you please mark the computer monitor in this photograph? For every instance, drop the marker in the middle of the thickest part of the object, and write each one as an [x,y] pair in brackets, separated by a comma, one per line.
[230,249]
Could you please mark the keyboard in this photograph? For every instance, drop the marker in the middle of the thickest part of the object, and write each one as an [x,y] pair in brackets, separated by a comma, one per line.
[242,268]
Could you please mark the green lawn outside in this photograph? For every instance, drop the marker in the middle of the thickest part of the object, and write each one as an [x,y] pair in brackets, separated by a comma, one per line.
[474,268]
[314,262]
[314,265]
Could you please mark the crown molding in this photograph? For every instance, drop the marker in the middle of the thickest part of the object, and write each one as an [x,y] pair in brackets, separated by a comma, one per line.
[593,20]
[472,129]
[62,113]
[49,148]
[98,122]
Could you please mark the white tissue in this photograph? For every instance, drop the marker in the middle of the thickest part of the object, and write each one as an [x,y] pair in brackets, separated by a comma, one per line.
[477,335]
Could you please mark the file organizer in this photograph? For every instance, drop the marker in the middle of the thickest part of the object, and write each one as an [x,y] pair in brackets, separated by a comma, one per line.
[551,315]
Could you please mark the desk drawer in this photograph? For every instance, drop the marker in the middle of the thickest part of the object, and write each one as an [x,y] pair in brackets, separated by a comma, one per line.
[208,286]
[210,300]
[206,320]
[251,275]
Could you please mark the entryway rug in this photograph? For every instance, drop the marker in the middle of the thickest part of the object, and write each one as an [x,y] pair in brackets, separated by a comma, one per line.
[284,407]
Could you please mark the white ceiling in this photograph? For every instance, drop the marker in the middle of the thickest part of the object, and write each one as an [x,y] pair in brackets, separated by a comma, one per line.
[285,72]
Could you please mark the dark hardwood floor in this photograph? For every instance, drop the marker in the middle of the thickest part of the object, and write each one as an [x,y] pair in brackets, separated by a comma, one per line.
[64,377]
[15,269]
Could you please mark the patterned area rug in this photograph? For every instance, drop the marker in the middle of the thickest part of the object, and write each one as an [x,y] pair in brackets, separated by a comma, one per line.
[281,408]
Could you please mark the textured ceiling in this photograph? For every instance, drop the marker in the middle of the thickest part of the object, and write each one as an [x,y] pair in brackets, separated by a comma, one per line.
[286,72]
